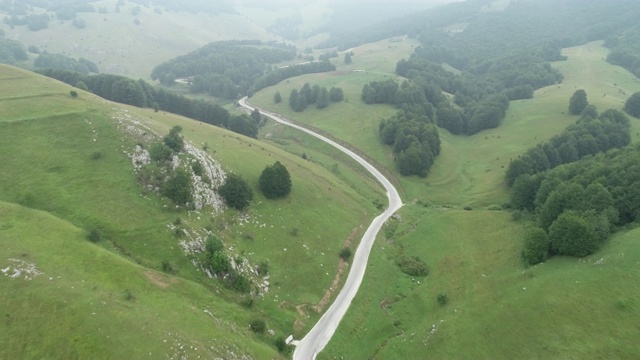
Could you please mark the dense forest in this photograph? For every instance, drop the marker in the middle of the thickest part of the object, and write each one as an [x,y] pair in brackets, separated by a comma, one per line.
[500,54]
[139,93]
[576,206]
[230,69]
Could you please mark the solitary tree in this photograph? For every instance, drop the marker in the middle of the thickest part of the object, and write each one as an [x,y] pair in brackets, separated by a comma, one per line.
[347,58]
[173,139]
[236,192]
[255,114]
[336,94]
[277,98]
[179,188]
[578,102]
[632,106]
[275,181]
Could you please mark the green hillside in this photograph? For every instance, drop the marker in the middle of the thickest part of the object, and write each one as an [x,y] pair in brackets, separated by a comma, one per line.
[68,164]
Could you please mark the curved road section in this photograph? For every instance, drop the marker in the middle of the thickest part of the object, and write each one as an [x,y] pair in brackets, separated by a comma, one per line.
[323,330]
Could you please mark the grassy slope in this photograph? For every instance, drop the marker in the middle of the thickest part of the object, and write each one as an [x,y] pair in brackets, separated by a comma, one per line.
[119,46]
[564,308]
[50,139]
[79,308]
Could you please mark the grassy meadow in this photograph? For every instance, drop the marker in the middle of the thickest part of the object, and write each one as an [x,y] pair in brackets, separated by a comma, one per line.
[51,166]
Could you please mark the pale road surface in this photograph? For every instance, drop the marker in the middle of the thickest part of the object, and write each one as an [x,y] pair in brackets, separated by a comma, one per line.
[323,330]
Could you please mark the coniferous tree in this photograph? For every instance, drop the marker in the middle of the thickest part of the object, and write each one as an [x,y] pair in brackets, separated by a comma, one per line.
[236,192]
[578,102]
[275,181]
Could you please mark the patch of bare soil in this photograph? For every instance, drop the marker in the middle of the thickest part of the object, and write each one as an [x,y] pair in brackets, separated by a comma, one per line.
[158,280]
[342,267]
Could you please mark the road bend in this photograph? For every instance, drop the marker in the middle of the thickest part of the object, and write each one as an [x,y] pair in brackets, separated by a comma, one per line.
[323,330]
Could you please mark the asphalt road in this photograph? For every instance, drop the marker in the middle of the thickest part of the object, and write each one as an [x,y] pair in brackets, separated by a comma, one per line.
[323,330]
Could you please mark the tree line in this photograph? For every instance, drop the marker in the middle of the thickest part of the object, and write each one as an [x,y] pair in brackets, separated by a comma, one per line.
[310,95]
[224,69]
[230,69]
[62,62]
[589,136]
[141,94]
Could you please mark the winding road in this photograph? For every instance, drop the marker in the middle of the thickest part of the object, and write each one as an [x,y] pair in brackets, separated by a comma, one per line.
[323,330]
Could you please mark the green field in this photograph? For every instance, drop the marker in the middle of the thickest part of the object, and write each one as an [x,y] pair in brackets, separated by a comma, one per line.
[51,167]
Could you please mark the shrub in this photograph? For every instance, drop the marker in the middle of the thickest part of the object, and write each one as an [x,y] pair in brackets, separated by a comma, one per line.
[179,188]
[173,140]
[94,235]
[160,152]
[167,267]
[96,155]
[536,246]
[263,268]
[282,346]
[73,93]
[241,284]
[258,326]
[345,253]
[412,265]
[443,298]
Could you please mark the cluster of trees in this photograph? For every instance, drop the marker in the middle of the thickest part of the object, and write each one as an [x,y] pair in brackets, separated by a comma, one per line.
[277,75]
[33,22]
[11,51]
[482,91]
[632,105]
[411,131]
[414,140]
[309,95]
[218,263]
[142,94]
[578,205]
[224,69]
[177,184]
[62,62]
[274,182]
[592,133]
